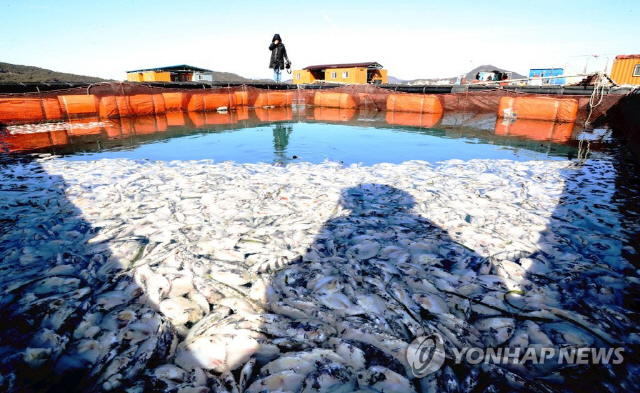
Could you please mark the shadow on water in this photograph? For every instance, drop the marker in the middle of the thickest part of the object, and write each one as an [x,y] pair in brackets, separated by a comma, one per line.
[379,275]
[384,275]
[68,320]
[342,315]
[582,265]
[372,275]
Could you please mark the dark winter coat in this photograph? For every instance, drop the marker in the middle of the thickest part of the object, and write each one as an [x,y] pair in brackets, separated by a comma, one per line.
[278,53]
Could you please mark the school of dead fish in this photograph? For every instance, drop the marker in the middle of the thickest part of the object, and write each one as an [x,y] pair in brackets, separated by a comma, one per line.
[201,276]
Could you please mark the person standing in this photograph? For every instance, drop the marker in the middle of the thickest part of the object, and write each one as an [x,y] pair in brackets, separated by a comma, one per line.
[278,56]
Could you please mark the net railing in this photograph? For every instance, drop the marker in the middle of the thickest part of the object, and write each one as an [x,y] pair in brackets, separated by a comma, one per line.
[120,100]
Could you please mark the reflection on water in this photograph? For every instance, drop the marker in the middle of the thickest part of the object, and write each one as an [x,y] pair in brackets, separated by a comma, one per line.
[413,119]
[280,134]
[537,130]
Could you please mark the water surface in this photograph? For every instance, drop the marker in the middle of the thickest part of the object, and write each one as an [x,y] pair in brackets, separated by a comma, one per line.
[281,135]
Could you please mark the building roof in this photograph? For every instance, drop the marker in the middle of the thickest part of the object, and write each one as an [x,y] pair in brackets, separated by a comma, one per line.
[369,64]
[620,57]
[175,68]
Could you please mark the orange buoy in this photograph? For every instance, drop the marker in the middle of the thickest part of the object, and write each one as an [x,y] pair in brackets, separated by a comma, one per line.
[79,105]
[274,98]
[564,110]
[334,100]
[419,103]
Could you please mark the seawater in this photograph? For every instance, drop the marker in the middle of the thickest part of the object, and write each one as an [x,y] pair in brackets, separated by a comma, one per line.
[305,135]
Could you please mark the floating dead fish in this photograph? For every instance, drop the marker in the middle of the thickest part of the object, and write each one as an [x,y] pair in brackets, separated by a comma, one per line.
[191,276]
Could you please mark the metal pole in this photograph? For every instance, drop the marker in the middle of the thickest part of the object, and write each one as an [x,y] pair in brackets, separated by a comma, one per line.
[585,65]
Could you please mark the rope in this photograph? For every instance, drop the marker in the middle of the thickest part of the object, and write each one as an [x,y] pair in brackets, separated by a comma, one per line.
[583,153]
[596,98]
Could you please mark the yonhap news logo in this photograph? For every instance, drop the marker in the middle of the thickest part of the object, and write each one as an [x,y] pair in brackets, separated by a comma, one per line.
[426,355]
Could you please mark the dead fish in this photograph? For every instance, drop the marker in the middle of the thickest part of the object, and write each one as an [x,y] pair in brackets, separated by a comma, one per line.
[383,379]
[332,377]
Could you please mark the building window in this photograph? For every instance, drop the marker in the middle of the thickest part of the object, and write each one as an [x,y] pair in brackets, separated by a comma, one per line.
[636,70]
[345,74]
[334,75]
[298,76]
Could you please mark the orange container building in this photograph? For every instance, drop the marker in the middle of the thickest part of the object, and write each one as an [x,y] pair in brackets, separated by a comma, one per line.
[361,73]
[626,70]
[177,73]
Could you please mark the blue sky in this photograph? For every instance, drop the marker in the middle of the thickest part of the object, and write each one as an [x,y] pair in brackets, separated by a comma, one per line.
[412,39]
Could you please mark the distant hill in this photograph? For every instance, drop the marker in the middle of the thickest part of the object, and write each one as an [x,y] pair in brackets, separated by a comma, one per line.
[219,76]
[395,81]
[22,73]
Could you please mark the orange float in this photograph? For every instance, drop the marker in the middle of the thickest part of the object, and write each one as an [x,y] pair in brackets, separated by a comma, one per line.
[108,108]
[21,110]
[334,100]
[274,98]
[242,98]
[175,101]
[29,109]
[79,105]
[563,110]
[419,103]
[210,101]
